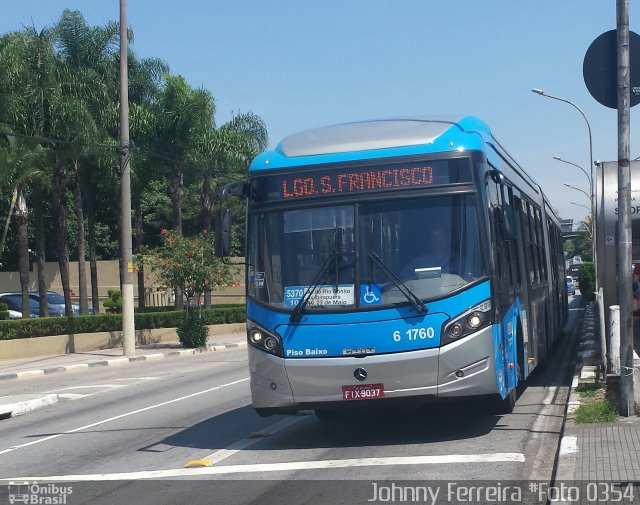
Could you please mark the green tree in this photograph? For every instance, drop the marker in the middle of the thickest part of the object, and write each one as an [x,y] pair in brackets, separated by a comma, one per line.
[28,93]
[86,54]
[20,163]
[226,152]
[188,265]
[184,115]
[146,78]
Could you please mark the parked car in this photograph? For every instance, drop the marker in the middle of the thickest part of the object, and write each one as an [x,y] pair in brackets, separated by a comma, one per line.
[14,303]
[571,286]
[55,302]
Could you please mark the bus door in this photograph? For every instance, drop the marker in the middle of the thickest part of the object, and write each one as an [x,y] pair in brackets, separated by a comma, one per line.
[534,270]
[507,281]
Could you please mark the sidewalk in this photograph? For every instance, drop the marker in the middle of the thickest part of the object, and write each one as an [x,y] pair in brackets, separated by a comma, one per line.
[25,368]
[596,452]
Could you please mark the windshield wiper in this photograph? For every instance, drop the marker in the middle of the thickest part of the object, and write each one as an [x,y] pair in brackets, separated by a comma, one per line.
[296,314]
[410,295]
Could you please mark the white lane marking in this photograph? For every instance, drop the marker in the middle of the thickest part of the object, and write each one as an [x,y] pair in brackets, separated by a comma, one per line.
[218,456]
[94,386]
[551,393]
[505,457]
[74,396]
[152,378]
[126,414]
[108,386]
[568,445]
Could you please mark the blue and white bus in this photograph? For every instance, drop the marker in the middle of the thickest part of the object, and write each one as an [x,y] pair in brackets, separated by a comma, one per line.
[350,302]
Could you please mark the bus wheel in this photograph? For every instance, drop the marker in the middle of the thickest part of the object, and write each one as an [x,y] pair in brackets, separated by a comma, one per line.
[506,405]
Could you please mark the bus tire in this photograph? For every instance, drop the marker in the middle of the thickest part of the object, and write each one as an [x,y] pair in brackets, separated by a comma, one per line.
[507,404]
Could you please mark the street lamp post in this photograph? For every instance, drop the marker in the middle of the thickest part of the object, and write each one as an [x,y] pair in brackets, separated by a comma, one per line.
[594,205]
[577,189]
[593,244]
[580,205]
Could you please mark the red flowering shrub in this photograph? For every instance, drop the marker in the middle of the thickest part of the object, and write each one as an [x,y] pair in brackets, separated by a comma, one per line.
[188,264]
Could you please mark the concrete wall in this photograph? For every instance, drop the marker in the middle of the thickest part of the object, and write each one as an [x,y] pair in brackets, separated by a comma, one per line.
[86,342]
[109,278]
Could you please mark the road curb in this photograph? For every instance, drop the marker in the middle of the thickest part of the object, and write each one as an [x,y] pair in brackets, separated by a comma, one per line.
[12,408]
[117,361]
[567,454]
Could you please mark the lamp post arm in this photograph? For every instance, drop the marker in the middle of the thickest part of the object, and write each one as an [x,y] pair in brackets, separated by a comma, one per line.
[575,165]
[577,189]
[540,92]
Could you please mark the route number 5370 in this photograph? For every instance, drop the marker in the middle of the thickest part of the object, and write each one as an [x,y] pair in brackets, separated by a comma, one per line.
[414,334]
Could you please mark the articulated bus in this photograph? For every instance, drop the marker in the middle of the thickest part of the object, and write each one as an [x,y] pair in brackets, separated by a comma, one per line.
[350,301]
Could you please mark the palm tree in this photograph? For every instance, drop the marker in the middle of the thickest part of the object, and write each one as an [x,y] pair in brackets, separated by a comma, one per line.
[28,91]
[230,147]
[184,115]
[145,85]
[20,163]
[86,53]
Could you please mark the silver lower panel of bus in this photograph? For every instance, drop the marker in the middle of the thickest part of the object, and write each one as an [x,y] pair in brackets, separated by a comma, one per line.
[464,368]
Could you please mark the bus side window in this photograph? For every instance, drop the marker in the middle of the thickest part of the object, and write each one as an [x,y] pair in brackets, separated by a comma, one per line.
[528,242]
[501,236]
[510,232]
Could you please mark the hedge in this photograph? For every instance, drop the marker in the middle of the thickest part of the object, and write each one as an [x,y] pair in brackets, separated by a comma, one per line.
[46,326]
[587,281]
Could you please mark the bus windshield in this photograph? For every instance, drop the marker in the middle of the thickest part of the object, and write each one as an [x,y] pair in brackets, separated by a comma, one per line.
[430,244]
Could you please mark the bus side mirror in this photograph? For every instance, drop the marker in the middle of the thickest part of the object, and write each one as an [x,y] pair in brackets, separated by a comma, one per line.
[496,176]
[223,233]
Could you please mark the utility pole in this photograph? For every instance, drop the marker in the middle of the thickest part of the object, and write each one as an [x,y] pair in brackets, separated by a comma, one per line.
[627,406]
[128,324]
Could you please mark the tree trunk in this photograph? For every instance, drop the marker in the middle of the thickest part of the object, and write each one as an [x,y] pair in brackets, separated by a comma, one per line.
[121,265]
[177,194]
[82,273]
[22,218]
[139,237]
[38,208]
[207,214]
[62,240]
[91,221]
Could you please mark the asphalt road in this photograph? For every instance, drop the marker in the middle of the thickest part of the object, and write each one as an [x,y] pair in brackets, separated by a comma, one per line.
[125,435]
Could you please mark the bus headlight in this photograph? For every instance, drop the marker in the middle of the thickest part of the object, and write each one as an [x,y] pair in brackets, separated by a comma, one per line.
[475,320]
[271,343]
[255,336]
[264,340]
[456,330]
[466,324]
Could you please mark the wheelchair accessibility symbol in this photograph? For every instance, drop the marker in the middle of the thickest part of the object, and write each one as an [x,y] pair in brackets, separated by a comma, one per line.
[370,294]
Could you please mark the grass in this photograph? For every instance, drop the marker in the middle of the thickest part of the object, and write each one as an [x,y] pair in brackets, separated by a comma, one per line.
[595,407]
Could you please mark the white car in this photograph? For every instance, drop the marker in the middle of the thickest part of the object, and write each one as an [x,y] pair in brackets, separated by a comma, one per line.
[571,286]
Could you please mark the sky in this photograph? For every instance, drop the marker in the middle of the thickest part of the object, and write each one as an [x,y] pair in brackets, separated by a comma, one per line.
[303,64]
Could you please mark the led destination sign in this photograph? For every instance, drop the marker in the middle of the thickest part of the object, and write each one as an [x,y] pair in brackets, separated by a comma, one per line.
[358,181]
[362,179]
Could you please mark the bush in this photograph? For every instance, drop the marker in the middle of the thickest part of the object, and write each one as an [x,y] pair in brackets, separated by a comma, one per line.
[114,303]
[587,281]
[4,311]
[44,326]
[193,330]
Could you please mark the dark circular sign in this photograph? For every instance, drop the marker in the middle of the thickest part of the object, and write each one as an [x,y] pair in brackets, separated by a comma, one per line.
[600,69]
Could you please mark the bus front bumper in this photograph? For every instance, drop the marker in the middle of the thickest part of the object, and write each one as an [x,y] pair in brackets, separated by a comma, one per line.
[463,368]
